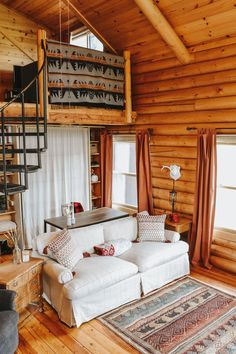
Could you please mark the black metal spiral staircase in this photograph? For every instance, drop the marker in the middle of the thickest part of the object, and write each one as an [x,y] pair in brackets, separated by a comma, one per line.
[20,125]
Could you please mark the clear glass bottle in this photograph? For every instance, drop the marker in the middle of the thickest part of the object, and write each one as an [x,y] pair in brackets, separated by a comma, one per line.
[16,254]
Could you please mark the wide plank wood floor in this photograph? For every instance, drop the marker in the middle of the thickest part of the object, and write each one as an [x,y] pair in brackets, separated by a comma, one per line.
[42,333]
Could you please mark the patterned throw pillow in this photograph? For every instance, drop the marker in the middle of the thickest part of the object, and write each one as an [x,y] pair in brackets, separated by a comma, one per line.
[64,250]
[113,248]
[151,227]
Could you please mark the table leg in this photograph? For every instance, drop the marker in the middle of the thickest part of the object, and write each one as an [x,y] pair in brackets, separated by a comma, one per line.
[45,226]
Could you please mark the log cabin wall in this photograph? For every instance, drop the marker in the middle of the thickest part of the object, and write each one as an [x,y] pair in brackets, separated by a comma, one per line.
[169,97]
[18,45]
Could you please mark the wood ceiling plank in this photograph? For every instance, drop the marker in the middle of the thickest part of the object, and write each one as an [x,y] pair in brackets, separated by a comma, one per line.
[16,4]
[180,7]
[208,34]
[213,44]
[36,11]
[23,21]
[40,7]
[124,25]
[208,22]
[211,9]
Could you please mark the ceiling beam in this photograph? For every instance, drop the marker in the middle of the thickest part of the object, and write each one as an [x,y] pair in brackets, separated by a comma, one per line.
[166,31]
[72,5]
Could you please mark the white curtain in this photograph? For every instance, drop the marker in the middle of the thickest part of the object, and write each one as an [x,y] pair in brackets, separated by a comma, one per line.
[64,178]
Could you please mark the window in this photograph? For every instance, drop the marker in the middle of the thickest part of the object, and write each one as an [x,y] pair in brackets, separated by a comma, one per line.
[87,40]
[226,183]
[124,185]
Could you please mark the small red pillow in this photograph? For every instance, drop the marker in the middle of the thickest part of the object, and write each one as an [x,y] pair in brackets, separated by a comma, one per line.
[105,250]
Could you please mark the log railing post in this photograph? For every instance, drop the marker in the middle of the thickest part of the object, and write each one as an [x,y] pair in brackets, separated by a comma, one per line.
[41,36]
[128,96]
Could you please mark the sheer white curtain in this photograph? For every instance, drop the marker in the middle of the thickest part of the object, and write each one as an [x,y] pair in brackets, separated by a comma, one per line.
[64,177]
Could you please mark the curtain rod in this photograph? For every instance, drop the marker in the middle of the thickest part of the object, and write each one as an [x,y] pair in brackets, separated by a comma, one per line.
[194,128]
[55,125]
[131,131]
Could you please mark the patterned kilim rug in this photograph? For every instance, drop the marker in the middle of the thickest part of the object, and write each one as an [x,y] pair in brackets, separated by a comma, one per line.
[184,317]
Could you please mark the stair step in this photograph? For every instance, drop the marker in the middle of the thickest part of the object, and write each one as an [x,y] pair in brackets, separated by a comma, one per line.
[12,188]
[20,168]
[26,119]
[21,151]
[21,134]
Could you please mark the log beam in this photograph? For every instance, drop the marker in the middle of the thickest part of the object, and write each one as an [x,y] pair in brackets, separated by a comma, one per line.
[160,23]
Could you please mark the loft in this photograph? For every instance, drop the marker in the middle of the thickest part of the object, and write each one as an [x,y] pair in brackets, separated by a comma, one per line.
[70,113]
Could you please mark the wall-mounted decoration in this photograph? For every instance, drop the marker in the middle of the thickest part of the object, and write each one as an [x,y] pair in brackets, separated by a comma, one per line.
[174,175]
[86,77]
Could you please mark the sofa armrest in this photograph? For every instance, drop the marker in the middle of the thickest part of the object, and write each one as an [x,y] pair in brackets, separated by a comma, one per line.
[58,272]
[172,236]
[7,300]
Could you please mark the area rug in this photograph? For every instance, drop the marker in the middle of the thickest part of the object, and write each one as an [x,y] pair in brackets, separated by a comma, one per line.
[186,316]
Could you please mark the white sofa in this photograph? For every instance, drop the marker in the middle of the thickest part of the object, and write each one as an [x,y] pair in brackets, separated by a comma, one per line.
[104,283]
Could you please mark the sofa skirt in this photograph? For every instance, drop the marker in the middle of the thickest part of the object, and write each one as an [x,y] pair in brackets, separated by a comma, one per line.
[165,273]
[77,311]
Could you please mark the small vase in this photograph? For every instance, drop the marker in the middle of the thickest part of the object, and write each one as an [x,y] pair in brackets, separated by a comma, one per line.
[16,255]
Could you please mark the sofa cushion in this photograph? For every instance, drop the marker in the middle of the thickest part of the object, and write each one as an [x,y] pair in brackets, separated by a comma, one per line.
[125,228]
[147,255]
[88,237]
[95,273]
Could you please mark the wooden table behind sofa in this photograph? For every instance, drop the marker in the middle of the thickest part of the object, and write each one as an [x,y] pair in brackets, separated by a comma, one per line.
[86,218]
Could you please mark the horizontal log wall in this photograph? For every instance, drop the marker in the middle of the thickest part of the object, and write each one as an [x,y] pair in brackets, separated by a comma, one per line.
[173,149]
[223,250]
[169,97]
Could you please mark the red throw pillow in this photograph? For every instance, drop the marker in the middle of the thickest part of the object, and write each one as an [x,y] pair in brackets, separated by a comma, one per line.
[104,250]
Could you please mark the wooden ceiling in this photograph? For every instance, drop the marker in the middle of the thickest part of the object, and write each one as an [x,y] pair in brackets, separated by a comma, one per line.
[125,27]
[47,13]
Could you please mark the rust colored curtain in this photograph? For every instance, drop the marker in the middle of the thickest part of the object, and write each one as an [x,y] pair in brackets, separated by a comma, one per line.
[205,199]
[143,167]
[106,168]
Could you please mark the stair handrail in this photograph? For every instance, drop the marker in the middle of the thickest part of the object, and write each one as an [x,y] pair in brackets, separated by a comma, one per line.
[30,83]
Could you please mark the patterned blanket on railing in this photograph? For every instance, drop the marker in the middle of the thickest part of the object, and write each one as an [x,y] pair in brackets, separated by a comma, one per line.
[85,77]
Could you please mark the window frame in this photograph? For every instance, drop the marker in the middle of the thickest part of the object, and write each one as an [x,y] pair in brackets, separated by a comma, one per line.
[124,138]
[75,35]
[225,140]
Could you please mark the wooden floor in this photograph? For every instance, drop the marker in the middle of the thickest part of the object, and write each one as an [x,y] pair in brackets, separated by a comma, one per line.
[43,333]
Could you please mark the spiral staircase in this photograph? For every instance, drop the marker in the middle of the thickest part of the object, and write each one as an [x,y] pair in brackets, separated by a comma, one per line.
[23,127]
